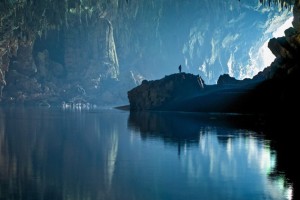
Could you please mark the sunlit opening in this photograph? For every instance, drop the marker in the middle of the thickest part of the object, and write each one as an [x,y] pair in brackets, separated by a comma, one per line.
[280,31]
[266,54]
[260,55]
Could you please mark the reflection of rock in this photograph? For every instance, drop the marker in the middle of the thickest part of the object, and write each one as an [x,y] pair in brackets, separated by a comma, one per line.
[279,130]
[111,158]
[176,127]
[77,164]
[172,127]
[185,129]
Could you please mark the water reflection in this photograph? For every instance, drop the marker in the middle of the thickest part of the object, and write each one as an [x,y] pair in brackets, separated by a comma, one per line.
[109,154]
[57,155]
[225,152]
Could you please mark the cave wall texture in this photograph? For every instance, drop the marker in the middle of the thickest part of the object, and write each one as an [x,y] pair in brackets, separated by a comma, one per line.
[94,51]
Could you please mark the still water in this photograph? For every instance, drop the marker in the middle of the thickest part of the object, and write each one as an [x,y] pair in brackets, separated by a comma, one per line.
[114,154]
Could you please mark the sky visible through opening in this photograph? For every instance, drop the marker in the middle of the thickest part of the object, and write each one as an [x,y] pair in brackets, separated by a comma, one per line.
[265,56]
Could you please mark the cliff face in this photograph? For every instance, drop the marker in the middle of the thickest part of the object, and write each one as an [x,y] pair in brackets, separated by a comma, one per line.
[94,51]
[59,51]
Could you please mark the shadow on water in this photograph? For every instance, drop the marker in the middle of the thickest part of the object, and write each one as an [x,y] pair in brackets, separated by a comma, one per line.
[180,129]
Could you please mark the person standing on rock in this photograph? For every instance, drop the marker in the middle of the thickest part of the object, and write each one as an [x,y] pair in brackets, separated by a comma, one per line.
[179,68]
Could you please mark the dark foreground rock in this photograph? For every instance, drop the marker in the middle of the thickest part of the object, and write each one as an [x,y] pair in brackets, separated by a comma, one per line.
[188,92]
[271,91]
[171,89]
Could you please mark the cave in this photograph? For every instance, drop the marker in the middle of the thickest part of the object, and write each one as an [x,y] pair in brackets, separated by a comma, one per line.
[87,86]
[92,45]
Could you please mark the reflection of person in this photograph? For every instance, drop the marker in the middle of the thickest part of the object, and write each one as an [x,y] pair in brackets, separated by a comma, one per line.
[179,68]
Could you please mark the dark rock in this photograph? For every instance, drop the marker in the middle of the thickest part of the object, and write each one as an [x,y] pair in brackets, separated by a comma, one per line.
[157,94]
[225,79]
[290,32]
[296,13]
[280,48]
[271,91]
[145,82]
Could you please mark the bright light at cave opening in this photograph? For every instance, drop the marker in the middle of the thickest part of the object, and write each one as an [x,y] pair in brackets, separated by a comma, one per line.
[260,55]
[267,56]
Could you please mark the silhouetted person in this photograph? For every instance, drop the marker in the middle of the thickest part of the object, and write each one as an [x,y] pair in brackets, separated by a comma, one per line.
[179,68]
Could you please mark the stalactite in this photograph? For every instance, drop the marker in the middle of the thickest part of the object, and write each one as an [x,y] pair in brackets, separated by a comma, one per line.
[60,10]
[66,13]
[276,2]
[80,12]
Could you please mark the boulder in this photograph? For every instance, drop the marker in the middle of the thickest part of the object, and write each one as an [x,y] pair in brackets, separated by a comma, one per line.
[280,48]
[157,94]
[225,79]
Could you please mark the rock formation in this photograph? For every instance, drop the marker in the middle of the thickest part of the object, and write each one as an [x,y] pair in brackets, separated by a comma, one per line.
[92,51]
[188,92]
[58,51]
[157,94]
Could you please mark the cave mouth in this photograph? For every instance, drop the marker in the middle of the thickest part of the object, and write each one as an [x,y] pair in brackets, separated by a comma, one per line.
[241,59]
[266,57]
[260,56]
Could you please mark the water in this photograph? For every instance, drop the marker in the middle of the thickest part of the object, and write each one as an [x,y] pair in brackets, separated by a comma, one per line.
[113,154]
